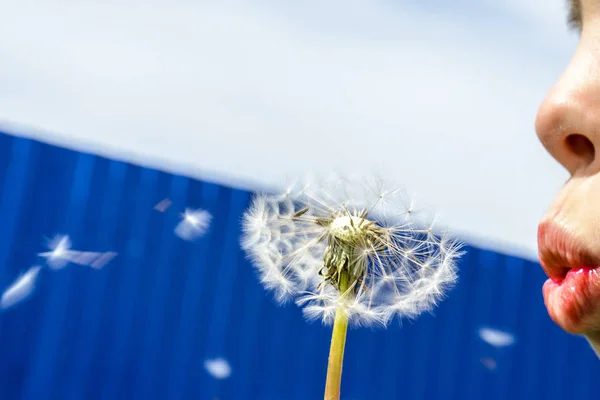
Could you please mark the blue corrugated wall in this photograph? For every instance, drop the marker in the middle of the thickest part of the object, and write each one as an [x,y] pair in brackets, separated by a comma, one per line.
[141,327]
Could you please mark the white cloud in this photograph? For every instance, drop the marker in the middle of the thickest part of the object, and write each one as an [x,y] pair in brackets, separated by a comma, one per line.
[540,14]
[253,92]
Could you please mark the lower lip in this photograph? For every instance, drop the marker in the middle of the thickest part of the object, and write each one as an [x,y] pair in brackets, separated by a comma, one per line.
[572,301]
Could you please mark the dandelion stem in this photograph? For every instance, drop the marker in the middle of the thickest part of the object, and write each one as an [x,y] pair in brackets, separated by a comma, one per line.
[336,350]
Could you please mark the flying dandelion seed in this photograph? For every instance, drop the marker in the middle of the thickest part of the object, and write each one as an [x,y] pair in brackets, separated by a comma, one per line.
[163,205]
[357,246]
[60,255]
[194,224]
[20,289]
[489,363]
[218,368]
[496,338]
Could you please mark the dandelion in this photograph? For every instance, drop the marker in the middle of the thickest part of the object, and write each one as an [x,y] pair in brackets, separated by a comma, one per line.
[349,252]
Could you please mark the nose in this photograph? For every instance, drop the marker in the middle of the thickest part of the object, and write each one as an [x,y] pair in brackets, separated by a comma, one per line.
[568,120]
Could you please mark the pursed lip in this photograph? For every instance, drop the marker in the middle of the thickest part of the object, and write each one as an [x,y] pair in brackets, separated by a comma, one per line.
[572,294]
[561,251]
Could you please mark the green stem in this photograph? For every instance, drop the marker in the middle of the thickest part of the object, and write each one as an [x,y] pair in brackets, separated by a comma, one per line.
[336,350]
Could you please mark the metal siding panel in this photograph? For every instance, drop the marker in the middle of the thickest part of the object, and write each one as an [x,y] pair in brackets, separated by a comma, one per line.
[51,344]
[143,326]
[158,271]
[507,310]
[118,351]
[188,320]
[12,201]
[88,328]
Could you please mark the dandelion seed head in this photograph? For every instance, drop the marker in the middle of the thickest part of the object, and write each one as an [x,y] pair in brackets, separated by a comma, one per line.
[352,244]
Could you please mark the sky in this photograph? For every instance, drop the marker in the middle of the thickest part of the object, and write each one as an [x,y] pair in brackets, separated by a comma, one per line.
[441,96]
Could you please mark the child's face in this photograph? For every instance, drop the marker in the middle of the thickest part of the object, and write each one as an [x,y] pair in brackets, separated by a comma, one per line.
[568,125]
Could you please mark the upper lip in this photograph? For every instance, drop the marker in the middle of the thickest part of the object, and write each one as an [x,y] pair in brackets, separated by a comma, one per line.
[561,250]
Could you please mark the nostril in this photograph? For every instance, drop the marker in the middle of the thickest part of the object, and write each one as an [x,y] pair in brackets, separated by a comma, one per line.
[582,147]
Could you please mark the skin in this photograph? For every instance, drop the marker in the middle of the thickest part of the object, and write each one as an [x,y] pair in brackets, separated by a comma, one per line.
[568,125]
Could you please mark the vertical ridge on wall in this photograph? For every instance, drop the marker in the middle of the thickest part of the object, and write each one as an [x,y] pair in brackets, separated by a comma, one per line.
[89,331]
[144,325]
[142,192]
[13,187]
[159,285]
[48,349]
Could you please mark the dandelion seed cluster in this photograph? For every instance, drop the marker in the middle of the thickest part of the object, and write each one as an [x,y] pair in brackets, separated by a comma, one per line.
[349,244]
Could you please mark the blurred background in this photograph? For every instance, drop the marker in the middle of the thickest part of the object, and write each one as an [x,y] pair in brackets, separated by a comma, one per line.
[133,134]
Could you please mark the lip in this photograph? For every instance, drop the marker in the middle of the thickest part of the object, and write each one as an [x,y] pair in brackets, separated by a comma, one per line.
[572,292]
